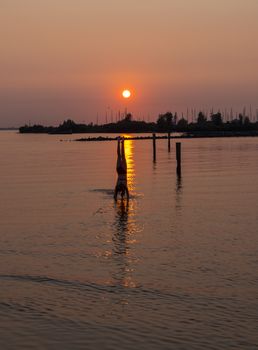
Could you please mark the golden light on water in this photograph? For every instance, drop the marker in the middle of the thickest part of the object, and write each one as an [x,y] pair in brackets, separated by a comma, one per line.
[129,153]
[125,228]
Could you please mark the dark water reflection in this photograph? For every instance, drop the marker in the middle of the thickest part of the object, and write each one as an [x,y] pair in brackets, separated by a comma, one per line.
[124,239]
[122,226]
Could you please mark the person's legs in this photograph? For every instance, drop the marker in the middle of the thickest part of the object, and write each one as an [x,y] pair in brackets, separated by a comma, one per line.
[118,147]
[119,159]
[123,155]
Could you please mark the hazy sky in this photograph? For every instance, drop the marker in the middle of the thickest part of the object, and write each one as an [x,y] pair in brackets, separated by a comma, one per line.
[72,58]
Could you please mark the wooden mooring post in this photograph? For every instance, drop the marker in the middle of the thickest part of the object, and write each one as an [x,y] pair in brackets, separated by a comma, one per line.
[169,141]
[154,147]
[178,158]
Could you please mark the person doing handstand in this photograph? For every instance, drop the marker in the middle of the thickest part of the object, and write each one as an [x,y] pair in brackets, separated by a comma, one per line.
[121,168]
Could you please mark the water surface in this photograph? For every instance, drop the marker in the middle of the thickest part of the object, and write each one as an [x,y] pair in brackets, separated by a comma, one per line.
[175,268]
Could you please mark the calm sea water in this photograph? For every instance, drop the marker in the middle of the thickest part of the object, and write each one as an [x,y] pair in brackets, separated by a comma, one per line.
[176,268]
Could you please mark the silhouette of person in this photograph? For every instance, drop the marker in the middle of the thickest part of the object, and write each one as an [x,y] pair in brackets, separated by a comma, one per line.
[121,168]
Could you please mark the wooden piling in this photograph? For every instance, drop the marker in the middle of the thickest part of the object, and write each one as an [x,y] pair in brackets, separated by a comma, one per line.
[154,147]
[178,158]
[169,141]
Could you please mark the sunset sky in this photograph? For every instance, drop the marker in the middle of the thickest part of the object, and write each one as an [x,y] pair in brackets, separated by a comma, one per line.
[64,59]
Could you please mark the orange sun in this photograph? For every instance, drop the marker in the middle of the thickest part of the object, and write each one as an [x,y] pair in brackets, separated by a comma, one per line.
[126,93]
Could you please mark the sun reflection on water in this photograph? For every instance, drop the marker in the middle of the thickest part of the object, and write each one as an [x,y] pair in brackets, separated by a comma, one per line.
[129,155]
[126,227]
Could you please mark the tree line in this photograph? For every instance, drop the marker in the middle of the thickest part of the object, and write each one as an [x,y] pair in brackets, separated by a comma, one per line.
[167,122]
